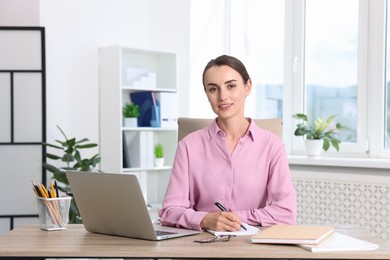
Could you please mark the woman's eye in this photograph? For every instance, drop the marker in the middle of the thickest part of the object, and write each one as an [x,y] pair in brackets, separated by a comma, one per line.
[211,90]
[231,86]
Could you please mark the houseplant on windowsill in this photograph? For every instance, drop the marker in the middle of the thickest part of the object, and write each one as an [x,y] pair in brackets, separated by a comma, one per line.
[130,113]
[158,155]
[323,132]
[71,157]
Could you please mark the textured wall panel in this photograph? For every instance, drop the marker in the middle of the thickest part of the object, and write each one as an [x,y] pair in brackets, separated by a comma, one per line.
[344,202]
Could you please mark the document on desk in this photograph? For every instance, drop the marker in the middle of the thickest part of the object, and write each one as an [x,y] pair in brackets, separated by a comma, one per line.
[251,230]
[341,242]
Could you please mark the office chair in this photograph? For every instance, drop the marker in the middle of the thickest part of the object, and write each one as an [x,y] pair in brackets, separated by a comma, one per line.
[189,125]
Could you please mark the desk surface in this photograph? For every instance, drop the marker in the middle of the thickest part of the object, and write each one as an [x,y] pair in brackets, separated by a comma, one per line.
[74,242]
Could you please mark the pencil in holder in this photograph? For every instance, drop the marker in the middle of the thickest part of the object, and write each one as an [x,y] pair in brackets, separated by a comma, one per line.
[53,212]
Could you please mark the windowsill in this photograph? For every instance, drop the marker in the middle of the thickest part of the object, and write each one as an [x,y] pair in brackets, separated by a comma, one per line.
[324,161]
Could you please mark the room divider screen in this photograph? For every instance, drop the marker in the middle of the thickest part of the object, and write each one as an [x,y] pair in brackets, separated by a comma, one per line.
[22,122]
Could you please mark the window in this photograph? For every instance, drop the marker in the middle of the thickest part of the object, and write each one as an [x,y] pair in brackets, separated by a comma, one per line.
[257,38]
[331,62]
[320,57]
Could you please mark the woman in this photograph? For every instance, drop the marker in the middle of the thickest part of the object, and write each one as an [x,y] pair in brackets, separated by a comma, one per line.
[233,162]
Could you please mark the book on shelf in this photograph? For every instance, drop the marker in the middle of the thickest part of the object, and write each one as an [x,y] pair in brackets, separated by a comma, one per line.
[293,234]
[147,106]
[168,109]
[157,109]
[140,145]
[126,155]
[340,242]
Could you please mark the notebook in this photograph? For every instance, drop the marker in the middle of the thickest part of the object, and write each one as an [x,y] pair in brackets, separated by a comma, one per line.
[293,234]
[113,204]
[250,230]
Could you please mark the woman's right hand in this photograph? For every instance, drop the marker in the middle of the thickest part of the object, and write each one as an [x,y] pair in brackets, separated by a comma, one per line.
[221,221]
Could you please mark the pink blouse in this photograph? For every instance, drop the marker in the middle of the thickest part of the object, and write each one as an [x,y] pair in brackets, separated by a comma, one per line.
[254,181]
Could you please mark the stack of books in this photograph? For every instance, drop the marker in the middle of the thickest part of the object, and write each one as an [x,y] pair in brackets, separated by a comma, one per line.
[312,238]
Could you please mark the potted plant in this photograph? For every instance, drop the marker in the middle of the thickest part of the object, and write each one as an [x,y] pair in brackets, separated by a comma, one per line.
[71,157]
[130,113]
[159,155]
[322,132]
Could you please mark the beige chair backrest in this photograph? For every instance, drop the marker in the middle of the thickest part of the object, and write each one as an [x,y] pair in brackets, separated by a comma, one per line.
[189,125]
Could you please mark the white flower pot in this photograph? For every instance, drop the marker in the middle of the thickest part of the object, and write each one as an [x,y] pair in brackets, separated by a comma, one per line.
[314,147]
[130,122]
[159,162]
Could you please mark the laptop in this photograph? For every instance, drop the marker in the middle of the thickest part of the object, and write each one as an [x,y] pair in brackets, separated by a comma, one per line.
[113,204]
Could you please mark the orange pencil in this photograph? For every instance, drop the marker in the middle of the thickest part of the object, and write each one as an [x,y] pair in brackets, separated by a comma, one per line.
[52,190]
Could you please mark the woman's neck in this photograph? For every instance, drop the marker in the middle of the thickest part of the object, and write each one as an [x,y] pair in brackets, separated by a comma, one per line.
[233,128]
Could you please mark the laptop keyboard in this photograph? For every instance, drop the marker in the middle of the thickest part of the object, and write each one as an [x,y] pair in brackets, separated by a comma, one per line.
[164,233]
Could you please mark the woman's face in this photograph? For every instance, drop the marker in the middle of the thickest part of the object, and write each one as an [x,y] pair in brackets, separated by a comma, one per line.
[226,91]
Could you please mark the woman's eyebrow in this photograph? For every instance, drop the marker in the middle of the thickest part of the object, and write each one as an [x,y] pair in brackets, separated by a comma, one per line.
[230,81]
[212,85]
[216,85]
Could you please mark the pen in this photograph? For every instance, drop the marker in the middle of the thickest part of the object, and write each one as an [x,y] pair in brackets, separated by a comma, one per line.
[221,207]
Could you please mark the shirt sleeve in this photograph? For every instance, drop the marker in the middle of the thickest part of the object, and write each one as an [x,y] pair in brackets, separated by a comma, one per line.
[281,205]
[177,209]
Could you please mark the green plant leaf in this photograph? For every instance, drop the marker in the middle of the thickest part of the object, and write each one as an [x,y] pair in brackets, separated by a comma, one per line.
[86,146]
[326,145]
[50,168]
[300,116]
[82,141]
[335,144]
[52,145]
[61,177]
[330,119]
[53,156]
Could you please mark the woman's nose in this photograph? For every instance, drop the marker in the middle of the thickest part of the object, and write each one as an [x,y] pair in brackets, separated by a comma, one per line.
[222,95]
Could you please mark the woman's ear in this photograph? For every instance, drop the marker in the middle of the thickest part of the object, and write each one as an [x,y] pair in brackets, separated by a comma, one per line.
[248,87]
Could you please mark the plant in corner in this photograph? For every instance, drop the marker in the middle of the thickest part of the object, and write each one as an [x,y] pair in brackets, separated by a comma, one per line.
[71,157]
[320,129]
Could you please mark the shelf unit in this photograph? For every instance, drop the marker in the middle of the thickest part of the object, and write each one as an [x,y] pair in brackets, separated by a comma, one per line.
[122,71]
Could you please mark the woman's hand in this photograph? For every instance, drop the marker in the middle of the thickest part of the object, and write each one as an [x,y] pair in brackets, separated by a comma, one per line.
[221,221]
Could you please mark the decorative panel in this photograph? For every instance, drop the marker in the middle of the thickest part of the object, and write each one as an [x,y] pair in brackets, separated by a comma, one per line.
[28,111]
[344,202]
[5,107]
[22,119]
[21,48]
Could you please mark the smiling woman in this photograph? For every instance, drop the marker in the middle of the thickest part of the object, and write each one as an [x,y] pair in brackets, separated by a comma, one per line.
[243,158]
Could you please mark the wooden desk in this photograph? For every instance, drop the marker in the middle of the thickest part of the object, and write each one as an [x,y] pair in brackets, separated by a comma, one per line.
[30,242]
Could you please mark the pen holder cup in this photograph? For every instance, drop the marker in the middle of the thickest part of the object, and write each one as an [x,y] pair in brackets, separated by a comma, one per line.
[53,212]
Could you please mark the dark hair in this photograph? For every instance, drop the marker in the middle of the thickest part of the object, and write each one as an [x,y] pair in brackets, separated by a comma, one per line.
[230,61]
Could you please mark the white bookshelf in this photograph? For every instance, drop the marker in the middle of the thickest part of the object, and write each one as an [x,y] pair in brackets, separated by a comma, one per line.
[123,71]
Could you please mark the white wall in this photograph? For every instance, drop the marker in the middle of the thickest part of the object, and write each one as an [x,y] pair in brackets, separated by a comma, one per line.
[19,12]
[75,29]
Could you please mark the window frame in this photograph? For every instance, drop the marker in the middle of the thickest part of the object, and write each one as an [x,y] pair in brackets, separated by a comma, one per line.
[368,68]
